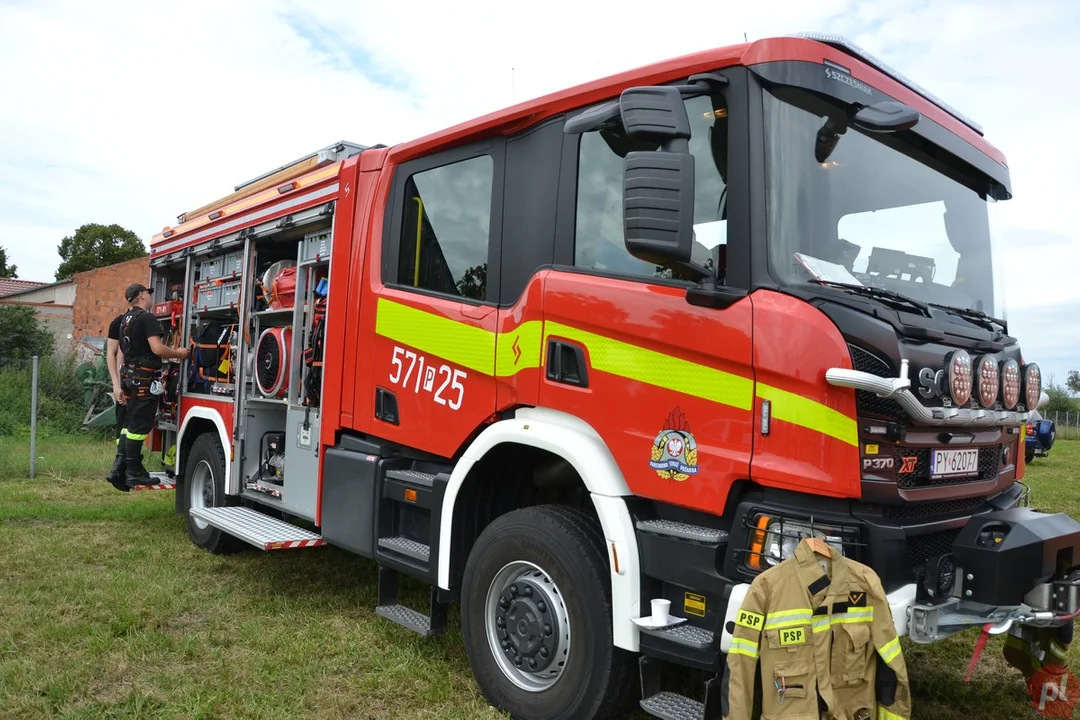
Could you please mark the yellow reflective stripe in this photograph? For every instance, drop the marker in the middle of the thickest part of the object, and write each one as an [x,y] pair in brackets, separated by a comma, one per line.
[739,646]
[1058,649]
[884,714]
[890,651]
[133,436]
[787,618]
[460,343]
[527,355]
[807,413]
[653,368]
[855,615]
[821,624]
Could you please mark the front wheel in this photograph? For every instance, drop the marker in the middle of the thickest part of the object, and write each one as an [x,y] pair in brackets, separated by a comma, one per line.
[536,617]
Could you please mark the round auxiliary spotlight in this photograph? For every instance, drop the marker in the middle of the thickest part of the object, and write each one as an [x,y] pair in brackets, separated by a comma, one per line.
[1010,383]
[986,374]
[1032,385]
[958,376]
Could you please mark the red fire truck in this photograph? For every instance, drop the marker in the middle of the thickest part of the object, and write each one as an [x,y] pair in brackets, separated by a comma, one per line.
[627,342]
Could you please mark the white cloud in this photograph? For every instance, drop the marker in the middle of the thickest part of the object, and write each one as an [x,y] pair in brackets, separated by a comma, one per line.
[133,112]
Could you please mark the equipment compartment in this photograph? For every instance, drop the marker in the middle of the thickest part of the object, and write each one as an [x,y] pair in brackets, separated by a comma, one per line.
[316,246]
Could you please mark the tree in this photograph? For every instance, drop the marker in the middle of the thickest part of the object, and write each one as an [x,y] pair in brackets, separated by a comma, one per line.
[1060,400]
[7,271]
[22,335]
[94,246]
[1073,381]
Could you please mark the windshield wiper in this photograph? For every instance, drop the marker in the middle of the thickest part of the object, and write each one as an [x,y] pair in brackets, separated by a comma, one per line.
[879,293]
[988,321]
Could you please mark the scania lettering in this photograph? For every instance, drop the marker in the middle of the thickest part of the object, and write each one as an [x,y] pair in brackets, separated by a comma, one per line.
[629,341]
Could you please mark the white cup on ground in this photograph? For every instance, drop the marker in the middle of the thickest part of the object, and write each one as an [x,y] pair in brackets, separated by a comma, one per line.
[661,610]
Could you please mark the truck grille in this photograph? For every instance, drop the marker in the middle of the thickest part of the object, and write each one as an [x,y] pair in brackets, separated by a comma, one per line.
[912,511]
[921,548]
[867,402]
[989,466]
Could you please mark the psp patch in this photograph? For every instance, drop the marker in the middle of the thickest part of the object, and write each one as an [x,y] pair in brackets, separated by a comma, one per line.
[792,636]
[750,620]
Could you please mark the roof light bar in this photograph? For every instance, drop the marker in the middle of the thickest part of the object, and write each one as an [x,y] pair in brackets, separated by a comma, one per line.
[845,45]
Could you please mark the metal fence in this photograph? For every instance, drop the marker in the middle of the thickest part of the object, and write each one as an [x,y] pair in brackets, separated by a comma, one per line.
[56,417]
[1066,423]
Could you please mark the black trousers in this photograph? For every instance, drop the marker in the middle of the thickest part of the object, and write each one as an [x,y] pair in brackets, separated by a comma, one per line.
[121,415]
[139,416]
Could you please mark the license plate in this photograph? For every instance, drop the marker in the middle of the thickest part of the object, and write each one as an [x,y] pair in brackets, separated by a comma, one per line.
[954,463]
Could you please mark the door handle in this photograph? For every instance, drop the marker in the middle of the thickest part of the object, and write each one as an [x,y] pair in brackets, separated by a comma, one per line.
[566,363]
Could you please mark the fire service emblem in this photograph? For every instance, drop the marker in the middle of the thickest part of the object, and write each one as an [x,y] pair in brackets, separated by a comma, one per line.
[674,451]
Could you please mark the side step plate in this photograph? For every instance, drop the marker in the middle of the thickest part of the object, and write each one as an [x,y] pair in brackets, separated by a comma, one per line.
[672,706]
[164,482]
[258,529]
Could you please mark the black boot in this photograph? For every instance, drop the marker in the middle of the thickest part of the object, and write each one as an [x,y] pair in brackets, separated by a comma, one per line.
[115,477]
[136,474]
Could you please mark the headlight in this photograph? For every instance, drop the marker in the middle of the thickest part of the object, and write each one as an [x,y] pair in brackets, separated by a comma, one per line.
[1010,383]
[958,374]
[1032,386]
[987,374]
[774,539]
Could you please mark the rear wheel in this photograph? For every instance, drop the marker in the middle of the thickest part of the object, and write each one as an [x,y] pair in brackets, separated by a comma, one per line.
[204,487]
[536,617]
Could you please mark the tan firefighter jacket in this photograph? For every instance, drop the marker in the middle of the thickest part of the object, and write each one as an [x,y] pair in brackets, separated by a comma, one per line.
[816,633]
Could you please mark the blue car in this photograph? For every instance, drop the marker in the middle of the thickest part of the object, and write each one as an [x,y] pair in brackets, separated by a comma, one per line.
[1040,436]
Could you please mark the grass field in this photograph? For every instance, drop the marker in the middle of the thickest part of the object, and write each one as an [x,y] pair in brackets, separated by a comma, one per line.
[108,611]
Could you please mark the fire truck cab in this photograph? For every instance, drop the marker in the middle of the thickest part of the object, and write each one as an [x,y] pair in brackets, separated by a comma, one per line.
[629,341]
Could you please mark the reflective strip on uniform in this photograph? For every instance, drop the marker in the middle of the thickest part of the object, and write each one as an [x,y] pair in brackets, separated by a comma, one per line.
[822,623]
[1058,649]
[855,615]
[136,436]
[890,651]
[797,410]
[787,618]
[740,646]
[883,713]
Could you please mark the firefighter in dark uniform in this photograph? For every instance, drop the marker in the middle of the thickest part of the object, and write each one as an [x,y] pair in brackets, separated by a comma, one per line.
[115,476]
[140,342]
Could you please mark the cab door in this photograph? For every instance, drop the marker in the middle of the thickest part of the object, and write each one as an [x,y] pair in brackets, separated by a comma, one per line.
[435,316]
[668,385]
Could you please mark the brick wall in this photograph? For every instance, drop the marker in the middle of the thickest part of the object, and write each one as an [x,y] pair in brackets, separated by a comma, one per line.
[99,295]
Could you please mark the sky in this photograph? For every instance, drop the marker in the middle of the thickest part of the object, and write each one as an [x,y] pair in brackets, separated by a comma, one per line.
[134,112]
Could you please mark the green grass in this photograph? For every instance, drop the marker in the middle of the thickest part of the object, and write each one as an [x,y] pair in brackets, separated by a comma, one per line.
[108,611]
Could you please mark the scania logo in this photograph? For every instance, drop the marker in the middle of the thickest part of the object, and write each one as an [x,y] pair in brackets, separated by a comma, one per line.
[931,383]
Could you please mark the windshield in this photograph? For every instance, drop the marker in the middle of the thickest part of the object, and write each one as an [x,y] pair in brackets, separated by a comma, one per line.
[872,214]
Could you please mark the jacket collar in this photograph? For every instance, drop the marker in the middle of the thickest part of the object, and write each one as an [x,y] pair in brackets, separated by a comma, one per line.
[818,584]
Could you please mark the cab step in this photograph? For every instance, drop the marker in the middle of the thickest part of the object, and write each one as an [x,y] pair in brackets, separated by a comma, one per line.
[682,531]
[405,546]
[434,623]
[673,706]
[668,705]
[258,529]
[684,634]
[164,482]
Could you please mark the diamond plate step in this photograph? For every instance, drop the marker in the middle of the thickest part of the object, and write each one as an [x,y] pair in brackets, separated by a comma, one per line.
[260,530]
[411,476]
[405,546]
[683,634]
[672,706]
[682,531]
[407,617]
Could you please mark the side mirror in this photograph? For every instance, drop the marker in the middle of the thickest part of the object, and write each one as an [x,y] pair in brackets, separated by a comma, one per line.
[658,206]
[658,187]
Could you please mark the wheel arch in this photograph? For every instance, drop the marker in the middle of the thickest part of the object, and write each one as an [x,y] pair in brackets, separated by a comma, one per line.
[576,443]
[197,421]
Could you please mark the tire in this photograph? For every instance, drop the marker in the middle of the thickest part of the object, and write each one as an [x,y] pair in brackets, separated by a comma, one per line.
[566,583]
[204,486]
[1028,457]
